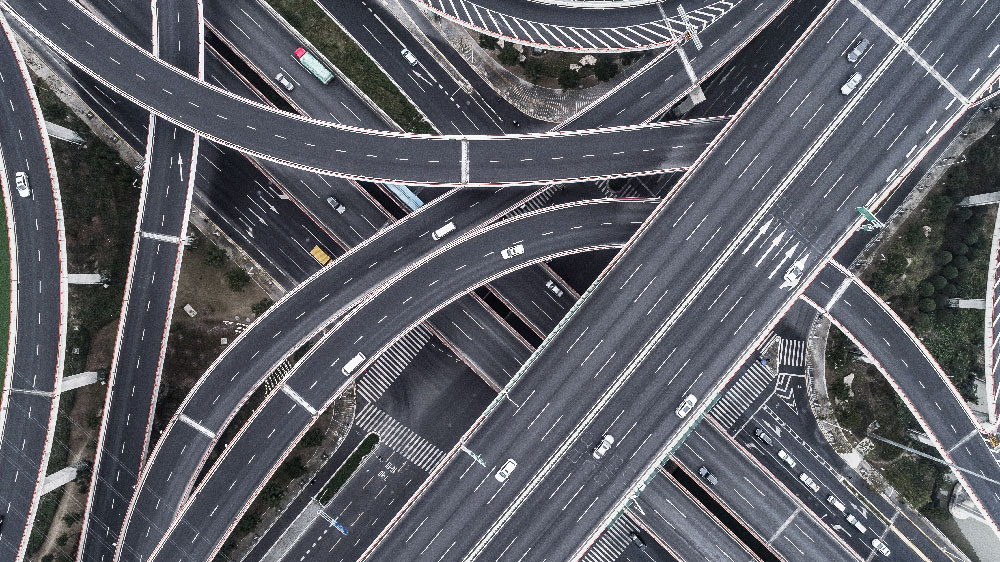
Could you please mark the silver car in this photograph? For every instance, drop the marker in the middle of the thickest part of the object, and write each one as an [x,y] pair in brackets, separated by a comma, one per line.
[337,205]
[858,50]
[280,77]
[21,183]
[515,250]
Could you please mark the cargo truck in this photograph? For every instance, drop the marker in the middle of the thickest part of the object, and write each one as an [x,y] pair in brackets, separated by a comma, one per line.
[312,64]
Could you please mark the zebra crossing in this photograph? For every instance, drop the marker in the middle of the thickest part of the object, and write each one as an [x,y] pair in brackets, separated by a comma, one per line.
[658,30]
[740,396]
[399,438]
[384,371]
[791,353]
[277,375]
[536,202]
[612,542]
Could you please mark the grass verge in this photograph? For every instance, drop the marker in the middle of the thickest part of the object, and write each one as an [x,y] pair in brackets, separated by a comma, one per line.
[5,288]
[312,22]
[347,469]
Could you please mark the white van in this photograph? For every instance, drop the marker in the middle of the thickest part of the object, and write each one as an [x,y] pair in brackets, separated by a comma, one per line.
[408,56]
[851,83]
[443,231]
[352,365]
[552,286]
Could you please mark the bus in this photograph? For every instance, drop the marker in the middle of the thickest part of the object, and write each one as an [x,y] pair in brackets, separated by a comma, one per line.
[312,64]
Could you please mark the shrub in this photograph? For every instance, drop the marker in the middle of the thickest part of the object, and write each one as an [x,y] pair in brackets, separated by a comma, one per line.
[839,390]
[216,257]
[605,69]
[294,467]
[488,41]
[509,55]
[238,279]
[312,438]
[273,494]
[261,306]
[568,78]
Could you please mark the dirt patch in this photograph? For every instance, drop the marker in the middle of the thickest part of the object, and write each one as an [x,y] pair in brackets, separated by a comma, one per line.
[102,347]
[196,341]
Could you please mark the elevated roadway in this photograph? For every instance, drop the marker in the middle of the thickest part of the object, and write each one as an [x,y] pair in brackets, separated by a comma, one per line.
[329,148]
[38,305]
[793,168]
[157,248]
[158,498]
[920,382]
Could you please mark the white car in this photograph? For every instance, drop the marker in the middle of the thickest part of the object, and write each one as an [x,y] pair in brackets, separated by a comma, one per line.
[880,546]
[280,77]
[515,250]
[808,481]
[408,56]
[687,405]
[505,470]
[851,83]
[787,458]
[552,286]
[604,447]
[21,182]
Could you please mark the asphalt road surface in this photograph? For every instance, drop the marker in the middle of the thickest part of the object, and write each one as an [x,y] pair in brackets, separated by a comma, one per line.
[34,367]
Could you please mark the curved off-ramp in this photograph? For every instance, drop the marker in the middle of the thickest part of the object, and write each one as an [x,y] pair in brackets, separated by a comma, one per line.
[604,27]
[917,378]
[39,293]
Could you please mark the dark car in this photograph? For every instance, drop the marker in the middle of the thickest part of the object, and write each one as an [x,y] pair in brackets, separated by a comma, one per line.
[765,438]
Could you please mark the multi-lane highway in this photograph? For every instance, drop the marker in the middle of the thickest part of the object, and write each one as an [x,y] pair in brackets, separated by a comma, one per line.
[154,268]
[39,296]
[812,173]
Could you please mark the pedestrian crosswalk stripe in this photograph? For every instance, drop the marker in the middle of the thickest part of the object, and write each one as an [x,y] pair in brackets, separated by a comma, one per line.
[399,438]
[741,395]
[612,542]
[384,371]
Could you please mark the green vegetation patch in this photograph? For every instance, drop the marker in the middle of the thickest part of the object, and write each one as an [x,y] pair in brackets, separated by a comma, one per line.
[347,469]
[312,22]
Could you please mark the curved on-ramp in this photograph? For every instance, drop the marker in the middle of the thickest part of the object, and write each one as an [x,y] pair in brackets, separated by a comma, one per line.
[469,260]
[352,152]
[38,302]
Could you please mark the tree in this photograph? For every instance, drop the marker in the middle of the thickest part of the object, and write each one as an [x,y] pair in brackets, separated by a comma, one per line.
[568,78]
[605,69]
[509,56]
[927,305]
[273,494]
[839,390]
[238,279]
[960,262]
[939,282]
[261,306]
[950,272]
[944,257]
[488,41]
[925,289]
[216,257]
[533,68]
[294,467]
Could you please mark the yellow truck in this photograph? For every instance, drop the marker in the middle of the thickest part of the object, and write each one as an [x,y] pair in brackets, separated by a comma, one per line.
[319,255]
